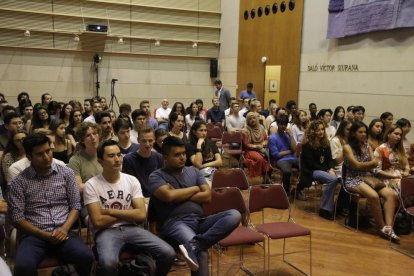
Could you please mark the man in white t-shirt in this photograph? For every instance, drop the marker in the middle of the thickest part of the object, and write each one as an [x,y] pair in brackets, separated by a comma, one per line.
[115,206]
[96,108]
[162,114]
[235,121]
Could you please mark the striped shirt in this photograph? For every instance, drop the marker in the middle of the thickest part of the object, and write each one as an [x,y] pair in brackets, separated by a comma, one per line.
[44,201]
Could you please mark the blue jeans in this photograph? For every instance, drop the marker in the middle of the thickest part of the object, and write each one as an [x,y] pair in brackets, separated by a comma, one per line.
[110,241]
[207,231]
[32,250]
[329,181]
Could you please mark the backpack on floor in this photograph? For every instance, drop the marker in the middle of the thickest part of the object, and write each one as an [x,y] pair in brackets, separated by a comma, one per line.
[65,270]
[141,265]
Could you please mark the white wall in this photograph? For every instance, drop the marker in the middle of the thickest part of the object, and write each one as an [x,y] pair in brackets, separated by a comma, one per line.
[229,40]
[385,61]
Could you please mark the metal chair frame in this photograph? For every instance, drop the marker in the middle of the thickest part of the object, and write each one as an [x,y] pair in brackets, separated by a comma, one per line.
[289,220]
[214,208]
[402,195]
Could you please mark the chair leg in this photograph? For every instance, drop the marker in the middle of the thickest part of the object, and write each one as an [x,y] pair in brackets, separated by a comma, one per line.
[294,266]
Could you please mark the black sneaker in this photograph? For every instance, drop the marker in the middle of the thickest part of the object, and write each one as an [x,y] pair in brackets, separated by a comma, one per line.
[300,196]
[325,214]
[190,256]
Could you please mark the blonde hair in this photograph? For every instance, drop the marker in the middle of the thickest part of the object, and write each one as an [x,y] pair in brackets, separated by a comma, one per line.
[399,147]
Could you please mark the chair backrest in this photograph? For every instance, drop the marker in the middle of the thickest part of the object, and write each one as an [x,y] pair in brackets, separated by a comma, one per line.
[232,137]
[267,196]
[217,124]
[214,133]
[229,178]
[407,191]
[225,199]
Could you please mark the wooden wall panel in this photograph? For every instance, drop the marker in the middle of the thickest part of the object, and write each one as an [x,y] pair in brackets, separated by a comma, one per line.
[277,36]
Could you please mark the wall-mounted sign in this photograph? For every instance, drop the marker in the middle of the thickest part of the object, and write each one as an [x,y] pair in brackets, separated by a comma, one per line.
[272,85]
[333,68]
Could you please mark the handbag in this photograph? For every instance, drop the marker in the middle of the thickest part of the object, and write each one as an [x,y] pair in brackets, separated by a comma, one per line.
[375,183]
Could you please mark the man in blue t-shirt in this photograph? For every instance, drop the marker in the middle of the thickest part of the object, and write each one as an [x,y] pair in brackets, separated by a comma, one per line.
[177,194]
[248,93]
[282,148]
[144,161]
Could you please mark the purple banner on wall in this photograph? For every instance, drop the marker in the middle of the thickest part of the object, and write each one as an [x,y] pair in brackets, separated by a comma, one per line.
[352,17]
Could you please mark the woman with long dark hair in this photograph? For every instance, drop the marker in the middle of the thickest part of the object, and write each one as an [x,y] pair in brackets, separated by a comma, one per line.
[387,118]
[375,133]
[63,147]
[13,152]
[201,151]
[358,169]
[317,165]
[193,115]
[338,116]
[338,142]
[41,120]
[176,125]
[65,114]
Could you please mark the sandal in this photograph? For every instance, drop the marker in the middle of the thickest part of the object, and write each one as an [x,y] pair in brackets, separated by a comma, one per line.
[394,237]
[388,233]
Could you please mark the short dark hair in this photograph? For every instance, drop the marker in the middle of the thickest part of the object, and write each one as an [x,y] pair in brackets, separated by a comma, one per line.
[125,108]
[169,142]
[10,116]
[7,107]
[100,115]
[138,112]
[23,104]
[403,122]
[143,102]
[34,140]
[44,96]
[290,103]
[121,124]
[21,94]
[199,101]
[101,148]
[272,101]
[323,111]
[385,115]
[218,82]
[282,119]
[249,85]
[52,107]
[350,108]
[358,108]
[312,104]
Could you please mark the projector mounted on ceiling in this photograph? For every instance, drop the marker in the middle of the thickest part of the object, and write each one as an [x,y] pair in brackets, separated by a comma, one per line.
[97,28]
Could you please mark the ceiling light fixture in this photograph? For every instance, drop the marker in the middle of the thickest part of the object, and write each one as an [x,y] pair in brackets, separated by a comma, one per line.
[264,59]
[76,38]
[195,45]
[120,40]
[27,33]
[157,43]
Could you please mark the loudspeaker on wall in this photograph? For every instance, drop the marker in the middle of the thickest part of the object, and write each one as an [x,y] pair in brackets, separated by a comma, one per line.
[213,67]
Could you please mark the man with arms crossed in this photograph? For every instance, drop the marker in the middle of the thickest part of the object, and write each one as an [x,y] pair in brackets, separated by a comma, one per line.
[44,204]
[115,206]
[177,193]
